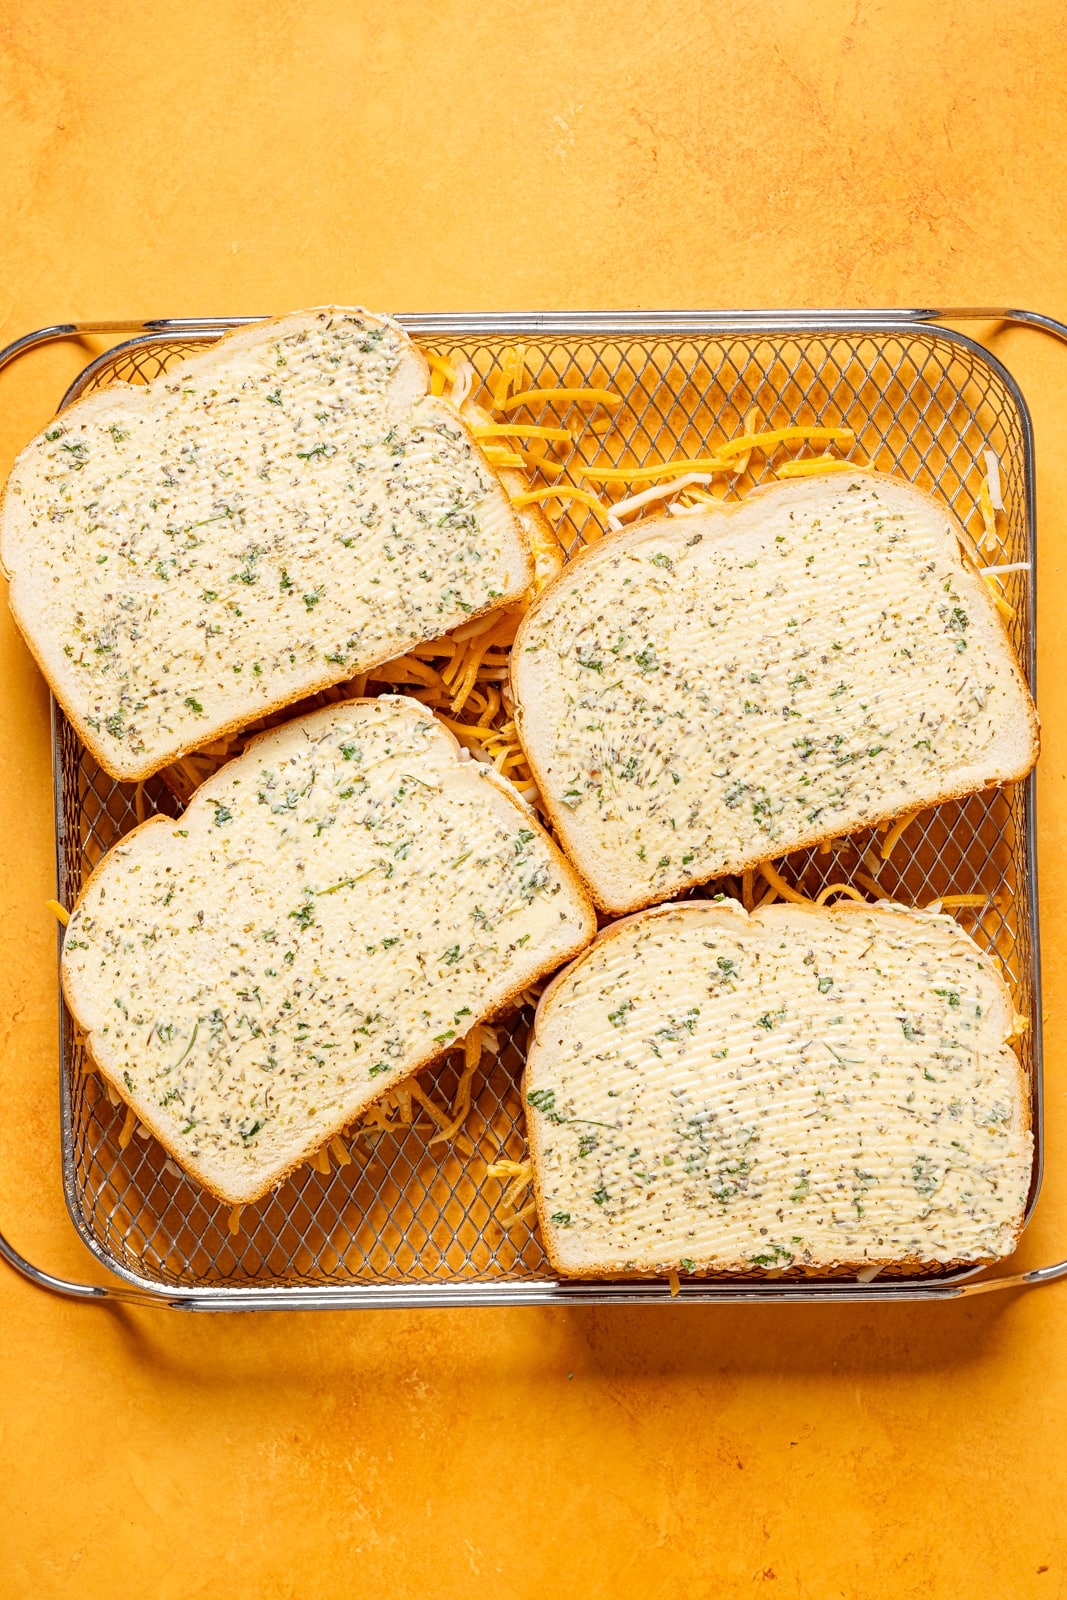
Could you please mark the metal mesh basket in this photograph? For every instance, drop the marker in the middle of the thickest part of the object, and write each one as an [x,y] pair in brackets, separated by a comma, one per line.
[410,1224]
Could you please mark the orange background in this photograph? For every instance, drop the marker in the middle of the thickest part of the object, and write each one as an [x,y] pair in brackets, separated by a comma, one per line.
[236,156]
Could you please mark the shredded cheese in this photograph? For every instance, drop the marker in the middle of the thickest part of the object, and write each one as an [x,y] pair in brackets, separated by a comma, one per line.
[992,478]
[837,888]
[584,397]
[472,1055]
[673,1280]
[892,838]
[779,885]
[126,1133]
[989,517]
[659,491]
[773,436]
[340,1151]
[959,900]
[540,463]
[520,1174]
[60,913]
[677,509]
[511,375]
[462,385]
[666,469]
[1002,605]
[233,1226]
[505,1168]
[751,427]
[813,467]
[439,364]
[525,1215]
[518,430]
[530,497]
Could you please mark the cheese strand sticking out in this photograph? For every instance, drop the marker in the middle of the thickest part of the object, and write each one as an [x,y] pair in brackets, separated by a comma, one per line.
[582,397]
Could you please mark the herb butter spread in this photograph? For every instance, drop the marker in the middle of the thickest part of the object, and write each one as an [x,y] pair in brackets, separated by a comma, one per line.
[790,1089]
[335,908]
[272,516]
[701,693]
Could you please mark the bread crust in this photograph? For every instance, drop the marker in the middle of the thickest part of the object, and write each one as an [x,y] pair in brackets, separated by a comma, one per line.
[905,1266]
[111,1073]
[134,771]
[648,528]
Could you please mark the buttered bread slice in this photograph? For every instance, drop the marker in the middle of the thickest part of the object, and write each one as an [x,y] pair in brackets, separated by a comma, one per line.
[335,909]
[275,515]
[698,694]
[820,1091]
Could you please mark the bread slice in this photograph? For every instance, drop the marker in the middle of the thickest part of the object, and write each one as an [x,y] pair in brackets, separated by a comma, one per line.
[698,694]
[273,516]
[335,909]
[792,1090]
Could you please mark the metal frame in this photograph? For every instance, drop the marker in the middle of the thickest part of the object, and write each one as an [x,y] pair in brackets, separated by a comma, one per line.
[139,1289]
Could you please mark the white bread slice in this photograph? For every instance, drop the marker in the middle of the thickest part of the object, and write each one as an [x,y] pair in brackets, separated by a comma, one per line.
[336,908]
[273,516]
[816,1091]
[698,694]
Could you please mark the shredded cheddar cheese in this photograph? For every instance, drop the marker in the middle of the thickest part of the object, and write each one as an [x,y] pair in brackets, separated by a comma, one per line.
[518,430]
[779,885]
[992,478]
[792,435]
[472,1055]
[837,888]
[989,517]
[126,1133]
[530,497]
[61,914]
[509,1169]
[892,838]
[667,469]
[582,397]
[658,491]
[439,364]
[1003,606]
[541,463]
[813,466]
[741,462]
[462,385]
[511,375]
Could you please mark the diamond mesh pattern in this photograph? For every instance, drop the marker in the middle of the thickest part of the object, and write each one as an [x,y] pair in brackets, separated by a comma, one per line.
[921,406]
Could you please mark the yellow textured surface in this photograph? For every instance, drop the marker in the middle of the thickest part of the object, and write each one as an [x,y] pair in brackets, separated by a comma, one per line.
[216,156]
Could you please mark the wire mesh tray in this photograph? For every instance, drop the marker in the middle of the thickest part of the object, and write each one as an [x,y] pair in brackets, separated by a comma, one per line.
[407,1225]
